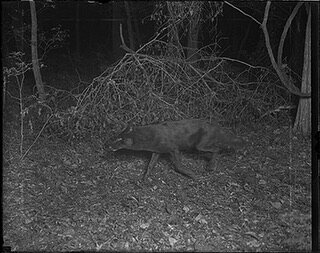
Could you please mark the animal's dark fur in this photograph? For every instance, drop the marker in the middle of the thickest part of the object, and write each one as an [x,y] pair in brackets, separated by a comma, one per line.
[175,136]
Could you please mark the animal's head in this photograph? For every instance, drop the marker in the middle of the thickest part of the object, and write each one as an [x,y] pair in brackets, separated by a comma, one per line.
[122,141]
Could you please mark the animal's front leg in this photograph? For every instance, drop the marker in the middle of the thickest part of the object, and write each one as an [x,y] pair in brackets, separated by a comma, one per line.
[153,160]
[213,162]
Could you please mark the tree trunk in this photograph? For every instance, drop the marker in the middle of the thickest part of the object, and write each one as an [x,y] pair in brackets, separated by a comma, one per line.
[278,66]
[303,119]
[116,31]
[138,40]
[174,47]
[34,52]
[19,28]
[77,28]
[244,40]
[129,25]
[194,28]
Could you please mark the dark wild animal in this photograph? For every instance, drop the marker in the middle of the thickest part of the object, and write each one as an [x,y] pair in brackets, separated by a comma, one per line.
[175,136]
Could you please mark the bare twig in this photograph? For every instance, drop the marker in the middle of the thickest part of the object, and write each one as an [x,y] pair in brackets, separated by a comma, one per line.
[243,12]
[35,140]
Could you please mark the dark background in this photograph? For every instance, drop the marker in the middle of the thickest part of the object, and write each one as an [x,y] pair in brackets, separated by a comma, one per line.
[239,36]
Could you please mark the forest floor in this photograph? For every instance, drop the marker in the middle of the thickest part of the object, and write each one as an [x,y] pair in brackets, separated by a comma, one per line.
[65,197]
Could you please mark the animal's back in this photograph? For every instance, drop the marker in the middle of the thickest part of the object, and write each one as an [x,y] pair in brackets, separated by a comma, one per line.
[187,134]
[197,133]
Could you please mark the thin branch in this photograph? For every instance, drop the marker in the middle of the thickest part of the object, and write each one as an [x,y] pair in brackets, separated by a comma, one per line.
[40,132]
[242,62]
[243,13]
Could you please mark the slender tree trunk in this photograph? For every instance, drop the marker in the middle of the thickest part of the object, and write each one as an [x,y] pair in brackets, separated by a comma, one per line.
[77,28]
[278,66]
[174,46]
[19,28]
[129,25]
[116,30]
[137,32]
[303,119]
[34,51]
[244,40]
[193,35]
[193,42]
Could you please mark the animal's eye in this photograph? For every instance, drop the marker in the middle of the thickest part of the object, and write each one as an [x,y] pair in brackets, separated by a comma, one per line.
[128,141]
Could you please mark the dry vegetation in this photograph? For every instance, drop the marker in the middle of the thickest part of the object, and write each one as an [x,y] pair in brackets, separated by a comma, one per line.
[144,88]
[68,194]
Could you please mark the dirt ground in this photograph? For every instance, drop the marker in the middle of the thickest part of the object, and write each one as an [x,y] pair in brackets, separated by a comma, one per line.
[76,196]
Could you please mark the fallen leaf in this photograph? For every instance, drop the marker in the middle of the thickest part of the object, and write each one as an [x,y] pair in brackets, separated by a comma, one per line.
[276,204]
[200,219]
[144,225]
[172,241]
[261,181]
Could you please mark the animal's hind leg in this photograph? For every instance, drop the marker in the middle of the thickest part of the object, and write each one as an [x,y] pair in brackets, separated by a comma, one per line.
[177,165]
[212,156]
